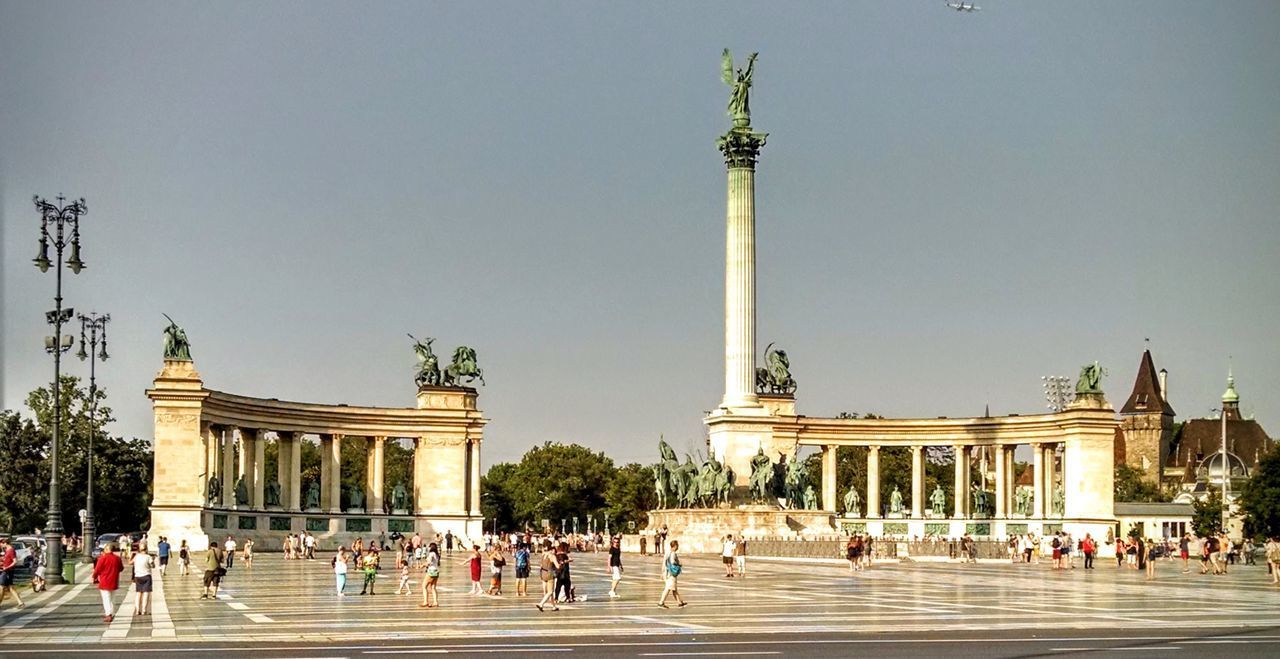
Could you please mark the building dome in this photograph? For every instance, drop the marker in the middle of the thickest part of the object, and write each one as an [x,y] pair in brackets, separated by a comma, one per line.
[1230,395]
[1210,468]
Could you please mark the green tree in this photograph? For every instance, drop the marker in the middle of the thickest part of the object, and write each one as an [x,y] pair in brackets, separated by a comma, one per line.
[1260,498]
[559,481]
[122,468]
[630,496]
[1206,515]
[495,497]
[1131,485]
[24,474]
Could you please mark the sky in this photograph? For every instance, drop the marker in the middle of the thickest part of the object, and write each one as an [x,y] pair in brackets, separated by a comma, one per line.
[950,205]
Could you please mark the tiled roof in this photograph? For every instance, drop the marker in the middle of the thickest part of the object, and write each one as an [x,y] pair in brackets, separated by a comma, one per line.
[1146,396]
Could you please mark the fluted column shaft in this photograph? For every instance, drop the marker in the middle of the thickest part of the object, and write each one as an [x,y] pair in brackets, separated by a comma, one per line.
[740,291]
[1037,480]
[1002,483]
[873,481]
[829,462]
[228,475]
[917,481]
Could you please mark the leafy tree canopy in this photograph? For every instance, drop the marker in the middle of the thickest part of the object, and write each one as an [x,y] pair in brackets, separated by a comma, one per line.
[1260,499]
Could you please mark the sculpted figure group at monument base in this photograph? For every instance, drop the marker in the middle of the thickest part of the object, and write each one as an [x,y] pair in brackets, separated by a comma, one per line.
[272,493]
[242,492]
[355,497]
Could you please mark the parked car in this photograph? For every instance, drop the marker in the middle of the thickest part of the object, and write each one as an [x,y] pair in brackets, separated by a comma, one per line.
[135,540]
[103,540]
[28,548]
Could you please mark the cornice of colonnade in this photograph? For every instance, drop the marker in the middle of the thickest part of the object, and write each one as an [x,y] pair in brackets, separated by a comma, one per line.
[975,431]
[221,408]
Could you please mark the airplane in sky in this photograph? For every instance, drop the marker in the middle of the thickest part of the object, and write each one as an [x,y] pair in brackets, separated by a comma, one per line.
[960,6]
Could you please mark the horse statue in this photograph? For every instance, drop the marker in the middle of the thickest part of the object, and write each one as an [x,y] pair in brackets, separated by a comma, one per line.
[428,366]
[660,486]
[464,365]
[775,377]
[665,472]
[688,474]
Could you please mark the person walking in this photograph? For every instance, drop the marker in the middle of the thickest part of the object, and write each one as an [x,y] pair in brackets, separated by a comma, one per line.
[404,578]
[496,562]
[849,554]
[368,563]
[448,543]
[8,565]
[162,554]
[1089,548]
[340,570]
[1272,549]
[740,556]
[247,556]
[213,571]
[726,555]
[1152,554]
[615,565]
[229,551]
[430,597]
[142,564]
[564,578]
[474,561]
[184,559]
[522,568]
[106,574]
[1184,550]
[671,569]
[546,572]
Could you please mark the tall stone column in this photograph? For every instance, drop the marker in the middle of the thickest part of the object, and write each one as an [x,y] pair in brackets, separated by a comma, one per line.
[258,486]
[211,440]
[474,490]
[421,498]
[741,148]
[228,475]
[829,485]
[1002,483]
[283,472]
[334,457]
[1011,483]
[1049,478]
[873,482]
[962,482]
[295,472]
[917,481]
[1037,480]
[374,475]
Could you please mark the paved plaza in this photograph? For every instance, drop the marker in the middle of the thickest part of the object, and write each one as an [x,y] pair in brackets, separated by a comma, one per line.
[785,607]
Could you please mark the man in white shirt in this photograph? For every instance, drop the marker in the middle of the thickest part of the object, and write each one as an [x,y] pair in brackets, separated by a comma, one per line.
[230,547]
[727,555]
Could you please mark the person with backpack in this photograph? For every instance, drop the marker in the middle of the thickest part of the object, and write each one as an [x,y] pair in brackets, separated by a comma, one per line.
[671,568]
[522,569]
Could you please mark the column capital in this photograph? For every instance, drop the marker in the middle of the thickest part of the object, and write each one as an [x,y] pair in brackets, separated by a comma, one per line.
[741,147]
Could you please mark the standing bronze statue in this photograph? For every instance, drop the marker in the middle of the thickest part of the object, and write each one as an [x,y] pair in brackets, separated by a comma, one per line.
[1090,381]
[740,86]
[176,346]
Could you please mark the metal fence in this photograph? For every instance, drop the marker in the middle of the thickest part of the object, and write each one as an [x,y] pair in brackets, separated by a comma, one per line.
[834,547]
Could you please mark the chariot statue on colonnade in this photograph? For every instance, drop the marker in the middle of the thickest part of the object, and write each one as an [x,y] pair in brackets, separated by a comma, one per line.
[775,376]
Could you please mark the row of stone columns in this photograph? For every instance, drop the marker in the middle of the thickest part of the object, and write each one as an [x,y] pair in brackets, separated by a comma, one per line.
[221,461]
[1043,477]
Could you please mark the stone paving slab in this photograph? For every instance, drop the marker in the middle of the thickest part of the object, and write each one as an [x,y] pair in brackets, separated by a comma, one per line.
[294,601]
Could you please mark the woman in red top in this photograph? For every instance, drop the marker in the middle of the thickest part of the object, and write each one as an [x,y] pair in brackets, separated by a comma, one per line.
[474,561]
[106,573]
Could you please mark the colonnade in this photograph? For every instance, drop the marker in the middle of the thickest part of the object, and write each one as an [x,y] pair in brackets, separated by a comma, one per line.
[1044,477]
[232,453]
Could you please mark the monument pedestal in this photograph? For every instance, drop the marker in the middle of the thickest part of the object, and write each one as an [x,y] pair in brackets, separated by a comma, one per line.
[702,530]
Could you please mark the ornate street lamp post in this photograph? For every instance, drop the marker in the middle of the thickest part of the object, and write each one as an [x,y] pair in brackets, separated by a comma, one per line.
[64,220]
[92,327]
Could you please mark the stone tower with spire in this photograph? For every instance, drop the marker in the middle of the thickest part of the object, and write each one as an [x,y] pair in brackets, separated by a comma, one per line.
[1146,422]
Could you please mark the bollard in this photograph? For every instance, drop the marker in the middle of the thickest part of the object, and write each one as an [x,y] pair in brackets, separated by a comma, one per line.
[69,572]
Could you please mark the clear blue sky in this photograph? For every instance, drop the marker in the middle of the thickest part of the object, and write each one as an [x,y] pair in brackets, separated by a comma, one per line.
[949,207]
